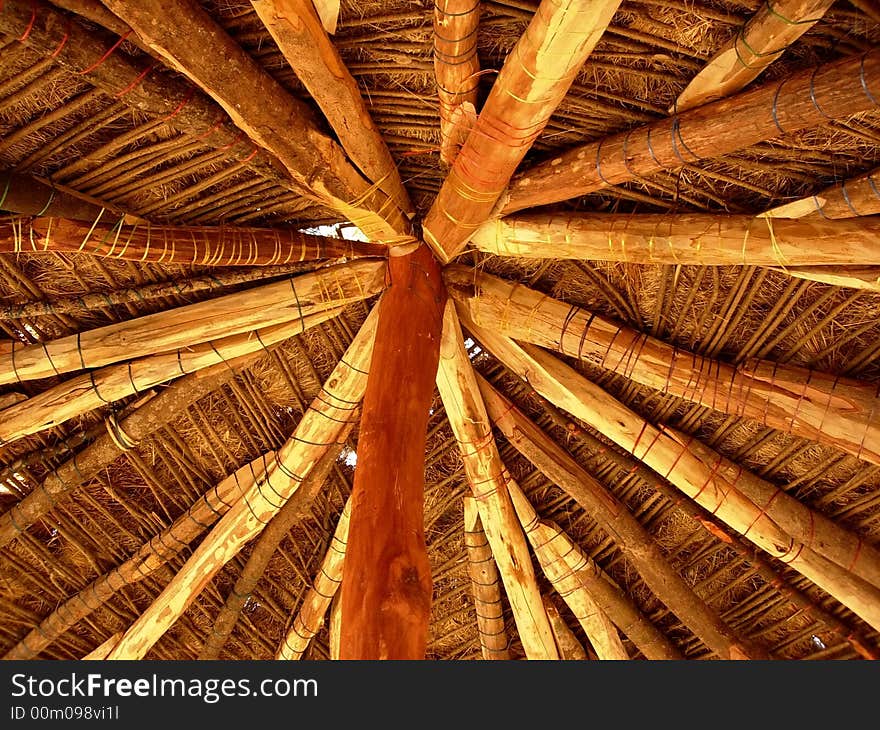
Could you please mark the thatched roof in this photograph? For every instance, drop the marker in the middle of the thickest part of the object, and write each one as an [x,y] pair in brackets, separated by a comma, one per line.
[117,475]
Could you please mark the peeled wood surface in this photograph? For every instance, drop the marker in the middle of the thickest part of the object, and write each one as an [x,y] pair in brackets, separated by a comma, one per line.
[83,466]
[386,596]
[317,431]
[535,77]
[293,511]
[261,306]
[310,616]
[300,35]
[613,517]
[185,36]
[561,559]
[683,238]
[712,130]
[151,556]
[486,586]
[456,66]
[852,277]
[24,195]
[756,45]
[676,461]
[488,476]
[83,393]
[858,196]
[147,242]
[837,411]
[567,643]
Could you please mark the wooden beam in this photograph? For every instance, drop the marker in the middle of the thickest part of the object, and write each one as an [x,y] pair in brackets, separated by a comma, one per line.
[560,559]
[488,477]
[837,411]
[852,277]
[386,595]
[456,70]
[267,544]
[147,560]
[683,238]
[200,245]
[858,196]
[317,431]
[186,37]
[191,324]
[486,586]
[138,423]
[28,196]
[103,650]
[807,99]
[301,38]
[570,649]
[677,461]
[310,616]
[757,44]
[633,540]
[534,79]
[334,626]
[78,395]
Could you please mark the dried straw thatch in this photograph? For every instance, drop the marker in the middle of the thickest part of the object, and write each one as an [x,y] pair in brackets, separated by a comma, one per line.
[657,434]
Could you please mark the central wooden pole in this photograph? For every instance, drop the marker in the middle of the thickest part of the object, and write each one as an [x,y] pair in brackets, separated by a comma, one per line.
[386,589]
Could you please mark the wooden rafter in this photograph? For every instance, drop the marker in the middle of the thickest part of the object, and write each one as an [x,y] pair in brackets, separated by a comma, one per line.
[674,458]
[152,556]
[807,99]
[683,238]
[852,277]
[386,595]
[562,561]
[762,40]
[857,196]
[191,324]
[318,429]
[487,475]
[456,70]
[486,586]
[185,36]
[570,648]
[103,386]
[310,616]
[633,540]
[535,77]
[297,29]
[201,245]
[26,195]
[829,409]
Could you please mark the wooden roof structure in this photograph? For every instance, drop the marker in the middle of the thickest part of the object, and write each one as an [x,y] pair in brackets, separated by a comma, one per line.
[464,329]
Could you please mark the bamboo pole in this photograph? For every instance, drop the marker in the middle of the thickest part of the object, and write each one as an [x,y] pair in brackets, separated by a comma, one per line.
[676,461]
[317,431]
[189,40]
[202,245]
[301,38]
[310,616]
[757,44]
[560,560]
[293,511]
[146,418]
[841,412]
[684,238]
[485,585]
[487,476]
[807,99]
[152,555]
[456,69]
[386,596]
[858,196]
[231,314]
[83,393]
[534,79]
[567,643]
[633,540]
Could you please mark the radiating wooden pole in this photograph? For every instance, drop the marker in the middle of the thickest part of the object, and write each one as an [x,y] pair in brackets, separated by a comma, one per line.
[386,595]
[855,197]
[569,647]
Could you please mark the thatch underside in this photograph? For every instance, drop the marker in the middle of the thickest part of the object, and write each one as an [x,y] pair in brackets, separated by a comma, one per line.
[65,127]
